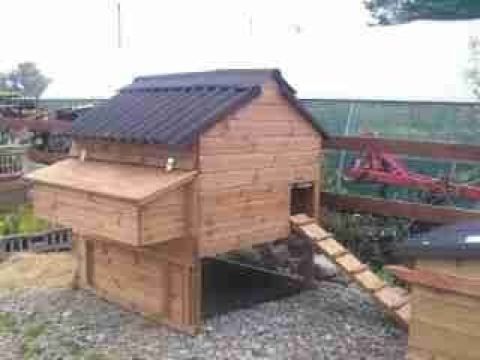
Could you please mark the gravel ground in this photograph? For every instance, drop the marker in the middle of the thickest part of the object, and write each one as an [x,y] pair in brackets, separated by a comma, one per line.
[331,322]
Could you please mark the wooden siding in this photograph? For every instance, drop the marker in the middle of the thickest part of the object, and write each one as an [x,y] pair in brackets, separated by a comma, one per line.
[445,324]
[139,184]
[144,281]
[87,214]
[137,154]
[164,218]
[247,162]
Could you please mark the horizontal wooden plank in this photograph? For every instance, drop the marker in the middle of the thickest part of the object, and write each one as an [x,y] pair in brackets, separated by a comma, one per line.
[407,147]
[459,267]
[457,312]
[119,181]
[255,143]
[434,214]
[140,154]
[451,283]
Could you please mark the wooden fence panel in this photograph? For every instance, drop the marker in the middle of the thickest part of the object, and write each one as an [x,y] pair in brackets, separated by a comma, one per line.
[422,212]
[406,147]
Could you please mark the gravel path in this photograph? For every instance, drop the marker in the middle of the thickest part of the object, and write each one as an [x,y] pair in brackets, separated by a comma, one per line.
[331,322]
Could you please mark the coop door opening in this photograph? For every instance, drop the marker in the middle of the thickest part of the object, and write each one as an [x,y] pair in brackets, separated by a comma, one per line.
[302,199]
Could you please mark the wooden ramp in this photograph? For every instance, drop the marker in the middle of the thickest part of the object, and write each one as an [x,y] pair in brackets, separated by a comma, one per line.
[393,300]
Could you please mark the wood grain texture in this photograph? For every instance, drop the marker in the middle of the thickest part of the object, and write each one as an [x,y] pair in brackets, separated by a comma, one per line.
[164,218]
[457,284]
[469,268]
[445,321]
[435,214]
[140,280]
[247,163]
[88,214]
[117,220]
[416,148]
[125,182]
[393,300]
[134,154]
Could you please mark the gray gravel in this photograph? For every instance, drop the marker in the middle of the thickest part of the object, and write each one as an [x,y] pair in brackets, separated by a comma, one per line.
[331,322]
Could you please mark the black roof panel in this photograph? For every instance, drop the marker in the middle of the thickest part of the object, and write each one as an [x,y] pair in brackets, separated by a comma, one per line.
[174,109]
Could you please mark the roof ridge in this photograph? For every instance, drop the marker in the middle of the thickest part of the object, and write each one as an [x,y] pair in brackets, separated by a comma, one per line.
[213,71]
[180,88]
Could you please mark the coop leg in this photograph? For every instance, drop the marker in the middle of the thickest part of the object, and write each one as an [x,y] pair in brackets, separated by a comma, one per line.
[80,247]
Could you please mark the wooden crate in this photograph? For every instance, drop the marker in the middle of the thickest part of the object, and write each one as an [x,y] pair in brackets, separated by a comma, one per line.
[445,324]
[162,283]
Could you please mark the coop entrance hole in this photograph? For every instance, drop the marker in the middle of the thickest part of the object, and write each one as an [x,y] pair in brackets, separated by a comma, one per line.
[302,198]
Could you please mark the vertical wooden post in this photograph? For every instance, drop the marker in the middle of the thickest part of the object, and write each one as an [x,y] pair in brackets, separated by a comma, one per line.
[82,249]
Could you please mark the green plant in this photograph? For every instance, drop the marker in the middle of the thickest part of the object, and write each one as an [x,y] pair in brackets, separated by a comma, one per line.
[21,221]
[374,239]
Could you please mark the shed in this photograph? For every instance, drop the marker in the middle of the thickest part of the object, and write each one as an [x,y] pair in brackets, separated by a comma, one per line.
[445,284]
[176,168]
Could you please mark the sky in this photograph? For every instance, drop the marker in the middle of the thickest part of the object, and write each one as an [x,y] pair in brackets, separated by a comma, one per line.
[325,49]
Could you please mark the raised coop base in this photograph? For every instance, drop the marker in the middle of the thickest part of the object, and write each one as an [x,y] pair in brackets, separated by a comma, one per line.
[162,282]
[166,285]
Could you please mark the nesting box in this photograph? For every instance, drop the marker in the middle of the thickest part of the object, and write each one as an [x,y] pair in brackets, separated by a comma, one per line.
[176,168]
[445,319]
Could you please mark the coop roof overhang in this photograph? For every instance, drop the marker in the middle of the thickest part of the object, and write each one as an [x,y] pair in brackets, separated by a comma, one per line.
[125,182]
[175,109]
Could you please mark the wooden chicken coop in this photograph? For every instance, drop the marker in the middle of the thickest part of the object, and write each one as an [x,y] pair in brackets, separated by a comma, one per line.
[176,168]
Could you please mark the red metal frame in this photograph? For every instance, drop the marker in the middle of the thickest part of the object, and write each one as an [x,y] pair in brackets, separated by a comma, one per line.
[380,166]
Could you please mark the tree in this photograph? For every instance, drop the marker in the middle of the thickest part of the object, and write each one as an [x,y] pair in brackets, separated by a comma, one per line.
[28,80]
[391,12]
[473,70]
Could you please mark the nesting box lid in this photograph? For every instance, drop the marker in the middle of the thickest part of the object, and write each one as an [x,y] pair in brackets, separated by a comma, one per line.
[125,182]
[453,241]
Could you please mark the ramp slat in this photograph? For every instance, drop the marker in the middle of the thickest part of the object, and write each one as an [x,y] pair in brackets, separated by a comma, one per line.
[368,280]
[395,301]
[331,248]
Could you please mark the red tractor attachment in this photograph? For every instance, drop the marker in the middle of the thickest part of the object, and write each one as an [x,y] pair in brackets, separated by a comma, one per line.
[380,166]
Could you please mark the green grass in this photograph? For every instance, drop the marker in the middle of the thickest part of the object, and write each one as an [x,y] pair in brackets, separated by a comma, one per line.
[32,346]
[34,334]
[7,323]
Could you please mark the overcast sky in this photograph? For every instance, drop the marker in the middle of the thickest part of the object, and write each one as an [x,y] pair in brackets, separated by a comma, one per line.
[324,48]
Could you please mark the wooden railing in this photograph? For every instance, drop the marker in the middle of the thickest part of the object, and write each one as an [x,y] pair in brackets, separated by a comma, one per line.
[398,208]
[11,161]
[52,240]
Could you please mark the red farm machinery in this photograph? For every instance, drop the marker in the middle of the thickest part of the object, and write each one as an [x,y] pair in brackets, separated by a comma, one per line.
[378,165]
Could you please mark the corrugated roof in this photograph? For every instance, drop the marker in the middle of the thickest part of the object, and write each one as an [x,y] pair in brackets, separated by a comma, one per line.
[174,109]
